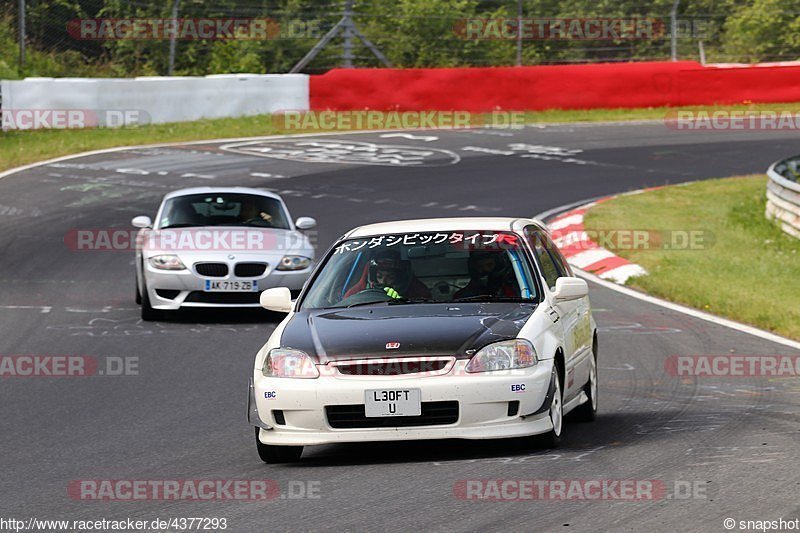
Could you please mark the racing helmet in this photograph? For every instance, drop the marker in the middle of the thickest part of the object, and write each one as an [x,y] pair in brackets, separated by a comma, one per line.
[384,261]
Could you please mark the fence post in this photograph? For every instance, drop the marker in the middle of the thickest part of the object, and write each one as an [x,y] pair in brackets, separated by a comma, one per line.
[21,35]
[172,38]
[673,34]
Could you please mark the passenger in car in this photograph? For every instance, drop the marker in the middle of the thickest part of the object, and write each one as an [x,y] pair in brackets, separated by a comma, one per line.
[490,275]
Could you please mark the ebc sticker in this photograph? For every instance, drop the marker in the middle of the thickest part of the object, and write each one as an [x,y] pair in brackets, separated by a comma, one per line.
[270,395]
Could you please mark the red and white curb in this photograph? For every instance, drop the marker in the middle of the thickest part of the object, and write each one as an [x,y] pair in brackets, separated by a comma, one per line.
[582,252]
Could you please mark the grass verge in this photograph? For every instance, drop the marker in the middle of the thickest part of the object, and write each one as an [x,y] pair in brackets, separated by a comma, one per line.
[751,272]
[24,147]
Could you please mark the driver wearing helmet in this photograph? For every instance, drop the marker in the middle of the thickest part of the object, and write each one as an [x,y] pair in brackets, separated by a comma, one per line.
[490,275]
[384,273]
[388,272]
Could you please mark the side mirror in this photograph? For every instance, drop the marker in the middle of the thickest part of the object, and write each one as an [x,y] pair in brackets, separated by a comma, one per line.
[278,299]
[305,223]
[142,221]
[568,289]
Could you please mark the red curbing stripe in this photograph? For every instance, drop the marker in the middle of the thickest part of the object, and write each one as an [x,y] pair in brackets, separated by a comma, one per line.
[568,233]
[573,240]
[572,213]
[578,247]
[606,264]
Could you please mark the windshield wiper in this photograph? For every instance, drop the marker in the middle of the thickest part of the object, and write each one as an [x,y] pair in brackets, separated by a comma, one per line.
[248,225]
[395,301]
[371,302]
[488,298]
[173,226]
[412,301]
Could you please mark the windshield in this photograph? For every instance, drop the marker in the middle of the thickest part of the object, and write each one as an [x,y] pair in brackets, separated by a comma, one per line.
[423,267]
[223,209]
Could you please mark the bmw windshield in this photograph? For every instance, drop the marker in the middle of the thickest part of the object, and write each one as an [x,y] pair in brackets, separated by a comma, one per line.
[223,209]
[424,267]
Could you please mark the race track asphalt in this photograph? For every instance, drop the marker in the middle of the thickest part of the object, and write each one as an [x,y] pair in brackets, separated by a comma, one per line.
[183,416]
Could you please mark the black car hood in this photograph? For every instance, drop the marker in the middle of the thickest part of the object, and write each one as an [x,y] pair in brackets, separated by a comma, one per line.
[420,329]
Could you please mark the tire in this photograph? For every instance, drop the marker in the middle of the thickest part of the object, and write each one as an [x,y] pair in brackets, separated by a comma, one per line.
[138,293]
[148,313]
[588,411]
[552,439]
[277,454]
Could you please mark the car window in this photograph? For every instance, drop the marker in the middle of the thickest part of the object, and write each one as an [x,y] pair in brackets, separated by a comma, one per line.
[223,209]
[551,270]
[561,262]
[423,267]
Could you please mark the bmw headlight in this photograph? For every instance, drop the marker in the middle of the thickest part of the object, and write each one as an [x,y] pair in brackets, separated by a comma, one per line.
[293,262]
[167,262]
[503,355]
[288,363]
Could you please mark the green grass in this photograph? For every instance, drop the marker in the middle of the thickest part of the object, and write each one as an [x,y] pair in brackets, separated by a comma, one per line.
[23,147]
[647,113]
[751,273]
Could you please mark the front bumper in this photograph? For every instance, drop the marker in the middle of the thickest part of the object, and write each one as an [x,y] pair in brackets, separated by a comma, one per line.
[483,405]
[187,287]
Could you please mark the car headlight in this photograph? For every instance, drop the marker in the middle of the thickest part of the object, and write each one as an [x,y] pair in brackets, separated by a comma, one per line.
[503,355]
[288,363]
[293,262]
[167,262]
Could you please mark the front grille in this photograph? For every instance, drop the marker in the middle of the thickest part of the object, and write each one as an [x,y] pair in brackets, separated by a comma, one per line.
[354,417]
[249,270]
[223,297]
[395,367]
[212,270]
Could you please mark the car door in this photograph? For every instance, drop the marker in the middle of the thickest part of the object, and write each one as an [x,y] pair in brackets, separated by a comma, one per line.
[573,315]
[584,331]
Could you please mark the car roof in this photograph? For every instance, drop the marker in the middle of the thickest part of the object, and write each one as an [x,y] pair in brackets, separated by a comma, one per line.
[213,190]
[441,224]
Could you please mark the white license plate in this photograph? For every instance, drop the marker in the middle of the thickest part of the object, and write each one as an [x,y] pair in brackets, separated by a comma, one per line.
[392,402]
[231,286]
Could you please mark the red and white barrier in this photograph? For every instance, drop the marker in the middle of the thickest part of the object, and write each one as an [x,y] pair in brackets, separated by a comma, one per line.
[615,85]
[103,102]
[583,253]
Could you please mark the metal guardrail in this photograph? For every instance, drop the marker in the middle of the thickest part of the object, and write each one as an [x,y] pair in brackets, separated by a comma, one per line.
[783,194]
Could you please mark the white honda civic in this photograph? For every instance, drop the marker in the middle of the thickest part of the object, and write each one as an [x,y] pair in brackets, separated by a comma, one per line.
[219,247]
[470,328]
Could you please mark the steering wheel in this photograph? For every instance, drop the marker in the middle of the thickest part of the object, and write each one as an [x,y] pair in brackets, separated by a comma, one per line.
[257,219]
[367,295]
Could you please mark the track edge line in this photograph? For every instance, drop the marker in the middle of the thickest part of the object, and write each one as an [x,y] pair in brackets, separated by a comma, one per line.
[690,311]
